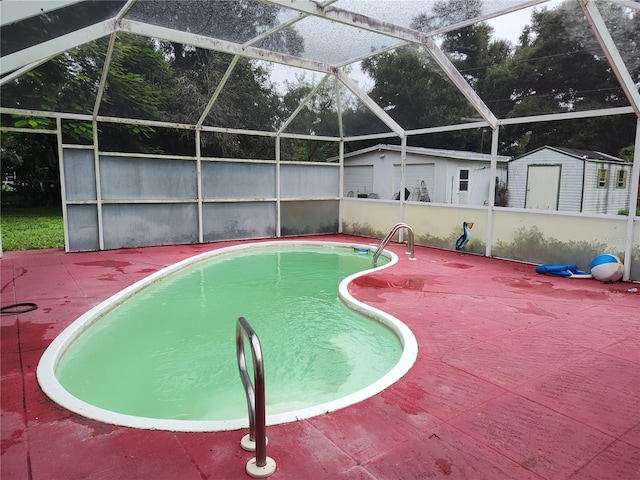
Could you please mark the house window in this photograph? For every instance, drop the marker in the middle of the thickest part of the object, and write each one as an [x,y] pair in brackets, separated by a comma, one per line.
[621,181]
[464,180]
[603,177]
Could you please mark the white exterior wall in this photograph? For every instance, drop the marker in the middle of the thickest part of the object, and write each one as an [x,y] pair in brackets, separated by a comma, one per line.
[419,180]
[479,176]
[358,180]
[610,199]
[442,184]
[382,171]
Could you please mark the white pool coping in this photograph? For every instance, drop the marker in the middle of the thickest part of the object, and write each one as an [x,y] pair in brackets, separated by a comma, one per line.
[49,361]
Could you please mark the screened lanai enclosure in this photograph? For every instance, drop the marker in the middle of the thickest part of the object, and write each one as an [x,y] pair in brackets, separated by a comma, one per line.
[169,122]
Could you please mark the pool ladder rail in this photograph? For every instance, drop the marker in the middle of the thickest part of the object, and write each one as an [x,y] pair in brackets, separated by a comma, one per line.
[260,466]
[387,239]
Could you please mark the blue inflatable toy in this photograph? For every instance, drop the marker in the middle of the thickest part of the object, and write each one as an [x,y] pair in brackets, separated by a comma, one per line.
[562,270]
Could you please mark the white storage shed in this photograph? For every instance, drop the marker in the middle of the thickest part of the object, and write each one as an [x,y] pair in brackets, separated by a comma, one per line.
[555,178]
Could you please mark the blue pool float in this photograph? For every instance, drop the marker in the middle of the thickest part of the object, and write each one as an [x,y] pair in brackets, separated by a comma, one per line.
[562,270]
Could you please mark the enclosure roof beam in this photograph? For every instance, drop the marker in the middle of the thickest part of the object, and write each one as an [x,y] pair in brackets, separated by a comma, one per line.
[339,108]
[512,7]
[459,81]
[374,136]
[364,22]
[208,43]
[371,105]
[21,71]
[125,10]
[303,104]
[216,93]
[105,74]
[12,11]
[591,12]
[107,60]
[627,3]
[550,117]
[274,30]
[402,33]
[56,46]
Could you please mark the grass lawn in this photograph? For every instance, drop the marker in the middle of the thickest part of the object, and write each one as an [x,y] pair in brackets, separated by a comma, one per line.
[31,228]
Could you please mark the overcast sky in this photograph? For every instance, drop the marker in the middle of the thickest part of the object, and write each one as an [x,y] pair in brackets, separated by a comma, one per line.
[509,27]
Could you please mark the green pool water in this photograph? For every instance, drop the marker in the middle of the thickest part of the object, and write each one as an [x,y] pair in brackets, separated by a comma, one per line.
[169,351]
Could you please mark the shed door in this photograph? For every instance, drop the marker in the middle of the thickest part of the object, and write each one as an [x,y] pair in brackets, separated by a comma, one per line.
[543,187]
[419,181]
[358,180]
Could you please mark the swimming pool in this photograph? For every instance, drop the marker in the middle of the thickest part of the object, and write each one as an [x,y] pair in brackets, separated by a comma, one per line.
[337,357]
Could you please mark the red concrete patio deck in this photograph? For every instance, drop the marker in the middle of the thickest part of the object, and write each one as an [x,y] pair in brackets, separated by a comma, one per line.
[519,376]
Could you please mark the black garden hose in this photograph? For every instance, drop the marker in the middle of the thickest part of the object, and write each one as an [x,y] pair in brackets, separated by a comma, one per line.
[14,308]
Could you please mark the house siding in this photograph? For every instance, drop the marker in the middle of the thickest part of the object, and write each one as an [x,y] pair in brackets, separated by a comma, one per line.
[609,199]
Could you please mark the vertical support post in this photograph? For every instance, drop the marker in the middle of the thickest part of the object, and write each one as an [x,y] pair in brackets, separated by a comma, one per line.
[96,162]
[340,153]
[63,186]
[633,202]
[278,209]
[340,213]
[199,186]
[403,182]
[495,133]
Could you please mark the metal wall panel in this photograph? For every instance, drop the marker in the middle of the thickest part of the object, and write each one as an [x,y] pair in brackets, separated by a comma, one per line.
[79,174]
[83,228]
[309,181]
[225,221]
[136,225]
[123,178]
[238,180]
[307,217]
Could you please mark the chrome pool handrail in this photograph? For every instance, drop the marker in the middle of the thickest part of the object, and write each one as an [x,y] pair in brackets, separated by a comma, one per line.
[385,241]
[261,466]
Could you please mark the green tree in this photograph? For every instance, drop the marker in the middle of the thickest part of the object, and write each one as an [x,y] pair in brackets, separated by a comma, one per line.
[558,66]
[319,116]
[416,92]
[136,84]
[137,81]
[136,87]
[413,91]
[627,153]
[249,99]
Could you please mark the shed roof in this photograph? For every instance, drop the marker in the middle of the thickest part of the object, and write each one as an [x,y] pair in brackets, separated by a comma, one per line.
[586,155]
[590,155]
[431,152]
